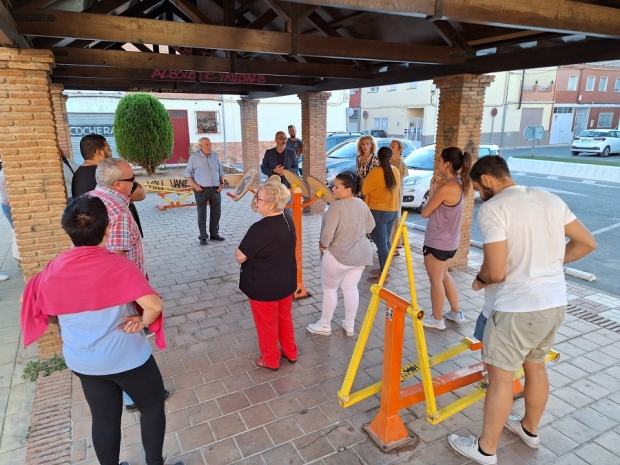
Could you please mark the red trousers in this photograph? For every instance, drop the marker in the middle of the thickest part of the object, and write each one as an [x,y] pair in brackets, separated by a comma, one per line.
[274,323]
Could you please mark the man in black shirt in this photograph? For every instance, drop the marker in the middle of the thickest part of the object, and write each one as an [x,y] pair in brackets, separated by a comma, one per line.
[95,148]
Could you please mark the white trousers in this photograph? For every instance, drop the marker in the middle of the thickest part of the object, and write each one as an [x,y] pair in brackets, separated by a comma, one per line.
[14,248]
[333,275]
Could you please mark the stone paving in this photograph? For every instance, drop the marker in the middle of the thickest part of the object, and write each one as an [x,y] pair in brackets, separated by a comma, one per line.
[223,409]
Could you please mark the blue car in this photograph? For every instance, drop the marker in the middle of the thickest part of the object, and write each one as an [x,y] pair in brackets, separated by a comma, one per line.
[343,159]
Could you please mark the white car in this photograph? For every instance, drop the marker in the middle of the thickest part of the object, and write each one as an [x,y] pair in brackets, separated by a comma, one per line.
[420,164]
[600,141]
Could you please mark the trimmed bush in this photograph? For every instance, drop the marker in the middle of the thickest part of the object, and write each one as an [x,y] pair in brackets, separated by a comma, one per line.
[143,131]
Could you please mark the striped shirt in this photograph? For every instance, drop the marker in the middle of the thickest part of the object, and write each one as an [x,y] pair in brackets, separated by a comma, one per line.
[124,232]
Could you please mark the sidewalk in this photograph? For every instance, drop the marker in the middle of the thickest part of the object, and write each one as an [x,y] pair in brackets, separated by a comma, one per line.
[223,409]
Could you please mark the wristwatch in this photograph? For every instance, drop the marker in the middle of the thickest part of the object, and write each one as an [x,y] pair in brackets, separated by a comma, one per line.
[478,279]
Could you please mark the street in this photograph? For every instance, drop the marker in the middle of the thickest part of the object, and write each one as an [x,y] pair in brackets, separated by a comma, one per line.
[596,206]
[557,151]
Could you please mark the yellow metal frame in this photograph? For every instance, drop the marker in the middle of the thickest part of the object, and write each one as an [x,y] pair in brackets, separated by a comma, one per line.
[424,363]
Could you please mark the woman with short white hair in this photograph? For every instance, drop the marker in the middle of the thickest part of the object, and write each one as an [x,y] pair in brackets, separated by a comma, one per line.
[269,275]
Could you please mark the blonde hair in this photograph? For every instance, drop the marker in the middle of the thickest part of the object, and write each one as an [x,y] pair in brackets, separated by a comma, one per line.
[276,193]
[400,144]
[373,144]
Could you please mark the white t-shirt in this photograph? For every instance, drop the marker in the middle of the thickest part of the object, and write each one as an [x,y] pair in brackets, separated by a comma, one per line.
[532,223]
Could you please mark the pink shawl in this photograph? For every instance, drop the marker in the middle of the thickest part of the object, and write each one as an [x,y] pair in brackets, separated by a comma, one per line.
[84,279]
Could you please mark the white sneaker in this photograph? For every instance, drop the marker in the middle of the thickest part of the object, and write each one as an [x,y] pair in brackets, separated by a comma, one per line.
[318,329]
[4,277]
[514,426]
[468,447]
[348,329]
[456,317]
[430,322]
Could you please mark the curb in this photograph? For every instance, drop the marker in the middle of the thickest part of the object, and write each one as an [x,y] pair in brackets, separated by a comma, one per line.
[571,170]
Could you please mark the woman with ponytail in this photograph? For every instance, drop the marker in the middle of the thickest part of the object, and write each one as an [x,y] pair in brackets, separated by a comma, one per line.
[381,191]
[444,211]
[346,252]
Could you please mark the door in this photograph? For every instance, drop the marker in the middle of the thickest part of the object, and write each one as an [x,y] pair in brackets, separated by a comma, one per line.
[529,117]
[415,131]
[180,129]
[581,120]
[561,123]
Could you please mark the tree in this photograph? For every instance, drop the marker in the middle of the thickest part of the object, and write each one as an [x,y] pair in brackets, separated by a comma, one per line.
[143,131]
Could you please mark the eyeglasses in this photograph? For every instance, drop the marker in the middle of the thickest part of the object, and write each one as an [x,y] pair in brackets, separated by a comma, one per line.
[132,179]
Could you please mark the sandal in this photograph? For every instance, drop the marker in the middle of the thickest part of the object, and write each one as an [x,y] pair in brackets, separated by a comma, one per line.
[375,279]
[261,363]
[396,253]
[376,272]
[290,360]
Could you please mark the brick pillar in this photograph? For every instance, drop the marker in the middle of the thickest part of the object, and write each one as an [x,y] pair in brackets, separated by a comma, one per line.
[249,137]
[313,129]
[461,104]
[29,148]
[59,103]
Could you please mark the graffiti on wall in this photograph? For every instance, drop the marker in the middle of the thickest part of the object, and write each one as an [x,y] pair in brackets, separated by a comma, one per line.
[178,74]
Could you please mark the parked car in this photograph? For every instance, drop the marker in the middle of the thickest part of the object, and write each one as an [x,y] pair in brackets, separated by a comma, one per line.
[375,132]
[337,137]
[343,159]
[421,164]
[600,141]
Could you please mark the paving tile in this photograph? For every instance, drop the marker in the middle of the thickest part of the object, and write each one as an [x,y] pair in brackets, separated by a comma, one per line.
[555,441]
[285,454]
[188,380]
[253,441]
[210,390]
[284,430]
[221,453]
[181,399]
[233,402]
[285,406]
[572,396]
[260,393]
[575,430]
[313,446]
[191,458]
[195,437]
[203,411]
[226,426]
[594,453]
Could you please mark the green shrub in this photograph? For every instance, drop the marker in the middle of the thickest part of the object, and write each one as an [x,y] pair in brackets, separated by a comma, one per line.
[143,131]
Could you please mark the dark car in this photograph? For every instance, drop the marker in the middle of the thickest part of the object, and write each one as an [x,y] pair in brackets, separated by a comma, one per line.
[375,132]
[343,159]
[337,137]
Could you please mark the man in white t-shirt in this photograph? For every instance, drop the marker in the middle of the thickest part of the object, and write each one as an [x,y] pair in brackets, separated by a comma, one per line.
[524,233]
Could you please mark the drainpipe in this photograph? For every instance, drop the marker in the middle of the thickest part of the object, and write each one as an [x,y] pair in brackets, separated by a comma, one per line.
[501,139]
[522,85]
[223,103]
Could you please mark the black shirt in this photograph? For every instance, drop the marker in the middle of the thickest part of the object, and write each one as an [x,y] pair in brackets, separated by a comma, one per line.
[270,272]
[83,180]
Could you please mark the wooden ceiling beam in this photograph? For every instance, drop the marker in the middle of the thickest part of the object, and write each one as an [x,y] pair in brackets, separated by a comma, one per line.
[129,85]
[190,11]
[141,74]
[52,23]
[564,16]
[9,36]
[451,36]
[118,59]
[106,7]
[263,20]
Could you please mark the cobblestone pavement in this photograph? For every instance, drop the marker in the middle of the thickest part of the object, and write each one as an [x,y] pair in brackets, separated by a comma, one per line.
[223,409]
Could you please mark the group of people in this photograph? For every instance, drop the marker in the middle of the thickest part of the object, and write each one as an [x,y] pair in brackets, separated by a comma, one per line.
[105,326]
[521,275]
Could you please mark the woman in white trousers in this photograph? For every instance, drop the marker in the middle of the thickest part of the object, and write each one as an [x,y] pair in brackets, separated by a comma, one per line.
[346,252]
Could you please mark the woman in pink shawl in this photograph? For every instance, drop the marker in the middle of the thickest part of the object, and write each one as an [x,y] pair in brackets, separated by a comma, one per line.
[103,303]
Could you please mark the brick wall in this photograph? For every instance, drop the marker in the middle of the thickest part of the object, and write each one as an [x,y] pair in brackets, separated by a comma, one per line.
[314,127]
[249,136]
[59,104]
[29,147]
[459,121]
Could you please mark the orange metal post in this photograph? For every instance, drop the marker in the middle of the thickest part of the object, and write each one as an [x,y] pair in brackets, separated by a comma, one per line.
[387,428]
[301,291]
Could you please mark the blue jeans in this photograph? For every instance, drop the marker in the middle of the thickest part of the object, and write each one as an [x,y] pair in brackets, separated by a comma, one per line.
[7,213]
[481,322]
[381,234]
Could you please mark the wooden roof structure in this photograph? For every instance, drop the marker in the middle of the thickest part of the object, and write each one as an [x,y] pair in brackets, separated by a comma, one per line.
[263,48]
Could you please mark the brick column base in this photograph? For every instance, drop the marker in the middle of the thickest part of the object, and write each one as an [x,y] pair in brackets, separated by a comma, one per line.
[29,148]
[249,137]
[459,121]
[313,129]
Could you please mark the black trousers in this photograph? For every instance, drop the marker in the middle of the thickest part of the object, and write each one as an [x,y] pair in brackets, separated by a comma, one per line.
[211,195]
[104,394]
